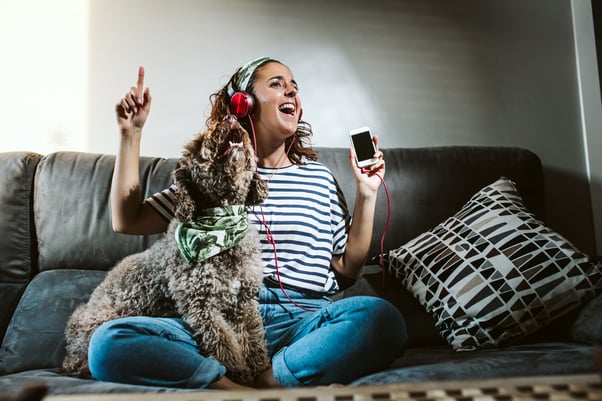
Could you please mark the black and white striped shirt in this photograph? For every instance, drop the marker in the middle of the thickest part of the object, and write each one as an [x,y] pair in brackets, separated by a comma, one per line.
[308,218]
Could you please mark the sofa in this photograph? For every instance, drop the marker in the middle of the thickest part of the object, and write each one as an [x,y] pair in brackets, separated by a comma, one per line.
[57,244]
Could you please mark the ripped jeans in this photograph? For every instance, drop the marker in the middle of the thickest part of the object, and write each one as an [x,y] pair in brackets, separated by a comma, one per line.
[311,341]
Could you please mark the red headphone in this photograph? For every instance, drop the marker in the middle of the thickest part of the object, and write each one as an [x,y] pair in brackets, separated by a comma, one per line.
[241,104]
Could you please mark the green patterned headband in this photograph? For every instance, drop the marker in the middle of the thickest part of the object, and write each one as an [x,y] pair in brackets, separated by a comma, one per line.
[245,73]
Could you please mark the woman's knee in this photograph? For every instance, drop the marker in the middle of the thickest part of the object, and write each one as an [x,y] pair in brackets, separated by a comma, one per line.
[349,338]
[112,331]
[102,337]
[104,347]
[117,343]
[384,321]
[143,350]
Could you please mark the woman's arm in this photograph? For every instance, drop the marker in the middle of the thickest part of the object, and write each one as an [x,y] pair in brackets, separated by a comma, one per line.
[129,213]
[350,264]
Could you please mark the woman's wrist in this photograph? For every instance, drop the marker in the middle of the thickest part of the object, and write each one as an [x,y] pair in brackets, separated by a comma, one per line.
[365,193]
[131,135]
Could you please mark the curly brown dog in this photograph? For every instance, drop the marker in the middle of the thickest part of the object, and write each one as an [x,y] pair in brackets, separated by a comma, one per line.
[217,296]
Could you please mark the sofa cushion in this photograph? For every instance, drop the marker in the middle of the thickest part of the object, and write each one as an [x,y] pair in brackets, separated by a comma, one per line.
[59,384]
[492,272]
[437,363]
[35,336]
[587,327]
[9,294]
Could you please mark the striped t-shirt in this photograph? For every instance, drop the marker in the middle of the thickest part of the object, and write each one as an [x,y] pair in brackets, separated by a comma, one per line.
[308,218]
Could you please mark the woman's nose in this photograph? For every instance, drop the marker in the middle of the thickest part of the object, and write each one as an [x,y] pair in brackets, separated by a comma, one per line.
[291,90]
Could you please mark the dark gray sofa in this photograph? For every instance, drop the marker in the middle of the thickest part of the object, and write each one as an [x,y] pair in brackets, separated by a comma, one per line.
[57,244]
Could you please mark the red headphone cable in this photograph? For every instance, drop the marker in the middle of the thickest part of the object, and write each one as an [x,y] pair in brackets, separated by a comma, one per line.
[385,228]
[262,220]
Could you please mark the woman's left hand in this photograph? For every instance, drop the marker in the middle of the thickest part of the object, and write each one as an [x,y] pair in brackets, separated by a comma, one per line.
[368,181]
[367,178]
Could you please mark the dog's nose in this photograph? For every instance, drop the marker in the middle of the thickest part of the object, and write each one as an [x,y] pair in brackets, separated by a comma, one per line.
[230,118]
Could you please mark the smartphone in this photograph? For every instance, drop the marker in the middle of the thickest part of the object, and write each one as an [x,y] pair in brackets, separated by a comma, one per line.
[361,140]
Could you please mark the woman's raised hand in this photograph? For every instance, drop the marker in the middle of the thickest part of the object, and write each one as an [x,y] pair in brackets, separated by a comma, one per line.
[132,110]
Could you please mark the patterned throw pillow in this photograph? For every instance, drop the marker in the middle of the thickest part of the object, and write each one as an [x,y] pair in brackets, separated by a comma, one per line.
[492,272]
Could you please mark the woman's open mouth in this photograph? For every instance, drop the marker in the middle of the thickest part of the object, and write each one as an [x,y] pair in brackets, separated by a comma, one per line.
[288,108]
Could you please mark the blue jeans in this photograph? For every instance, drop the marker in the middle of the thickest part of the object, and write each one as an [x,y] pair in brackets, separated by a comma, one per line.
[311,341]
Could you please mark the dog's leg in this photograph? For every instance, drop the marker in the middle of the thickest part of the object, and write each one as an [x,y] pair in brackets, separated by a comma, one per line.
[200,304]
[217,337]
[75,362]
[250,329]
[251,336]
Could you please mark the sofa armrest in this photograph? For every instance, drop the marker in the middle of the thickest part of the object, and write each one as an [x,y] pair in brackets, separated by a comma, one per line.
[587,327]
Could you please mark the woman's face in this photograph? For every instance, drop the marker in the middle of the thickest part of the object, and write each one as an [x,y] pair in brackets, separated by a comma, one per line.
[277,107]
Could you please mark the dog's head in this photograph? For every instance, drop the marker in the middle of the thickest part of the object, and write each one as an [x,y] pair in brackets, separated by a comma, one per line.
[218,168]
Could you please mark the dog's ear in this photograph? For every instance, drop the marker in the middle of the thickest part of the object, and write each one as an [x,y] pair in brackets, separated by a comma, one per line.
[184,205]
[258,191]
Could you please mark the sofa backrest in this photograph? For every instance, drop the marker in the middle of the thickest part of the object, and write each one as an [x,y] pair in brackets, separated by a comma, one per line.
[18,251]
[427,185]
[73,215]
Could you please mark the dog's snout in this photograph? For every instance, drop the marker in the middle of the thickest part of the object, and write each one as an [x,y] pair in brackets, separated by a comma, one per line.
[230,119]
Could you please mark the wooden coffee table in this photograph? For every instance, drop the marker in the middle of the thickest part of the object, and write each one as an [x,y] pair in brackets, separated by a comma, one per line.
[561,388]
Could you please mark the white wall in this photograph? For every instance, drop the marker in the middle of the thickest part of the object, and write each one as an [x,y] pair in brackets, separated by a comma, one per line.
[43,75]
[420,72]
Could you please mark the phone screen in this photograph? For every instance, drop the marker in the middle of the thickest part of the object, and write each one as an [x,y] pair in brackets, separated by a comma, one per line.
[364,147]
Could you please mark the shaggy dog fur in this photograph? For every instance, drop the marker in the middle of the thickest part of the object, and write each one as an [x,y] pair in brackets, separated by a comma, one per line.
[216,297]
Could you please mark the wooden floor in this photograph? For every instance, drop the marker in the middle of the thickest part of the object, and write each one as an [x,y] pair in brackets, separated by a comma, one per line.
[561,388]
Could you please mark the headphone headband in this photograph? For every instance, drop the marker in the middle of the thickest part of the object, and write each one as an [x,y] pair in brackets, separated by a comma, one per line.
[245,73]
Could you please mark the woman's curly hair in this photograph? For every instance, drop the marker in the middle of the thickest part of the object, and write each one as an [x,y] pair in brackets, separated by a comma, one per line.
[220,107]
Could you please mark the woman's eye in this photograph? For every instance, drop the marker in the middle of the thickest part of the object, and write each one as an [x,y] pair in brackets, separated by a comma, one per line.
[275,84]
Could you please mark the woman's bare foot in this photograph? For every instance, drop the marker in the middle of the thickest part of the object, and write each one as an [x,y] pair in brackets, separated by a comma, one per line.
[267,380]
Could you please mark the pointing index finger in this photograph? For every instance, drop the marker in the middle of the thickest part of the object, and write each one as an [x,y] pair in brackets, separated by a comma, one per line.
[140,84]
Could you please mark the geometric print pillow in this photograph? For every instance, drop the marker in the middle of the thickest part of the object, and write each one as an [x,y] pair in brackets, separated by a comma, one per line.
[493,272]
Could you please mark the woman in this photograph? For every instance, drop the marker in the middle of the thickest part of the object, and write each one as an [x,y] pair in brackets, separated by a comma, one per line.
[307,242]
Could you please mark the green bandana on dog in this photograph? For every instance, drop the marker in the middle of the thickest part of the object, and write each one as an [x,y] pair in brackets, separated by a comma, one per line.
[217,230]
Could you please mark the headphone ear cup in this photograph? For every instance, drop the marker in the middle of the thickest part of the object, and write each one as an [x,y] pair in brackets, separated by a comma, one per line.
[241,104]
